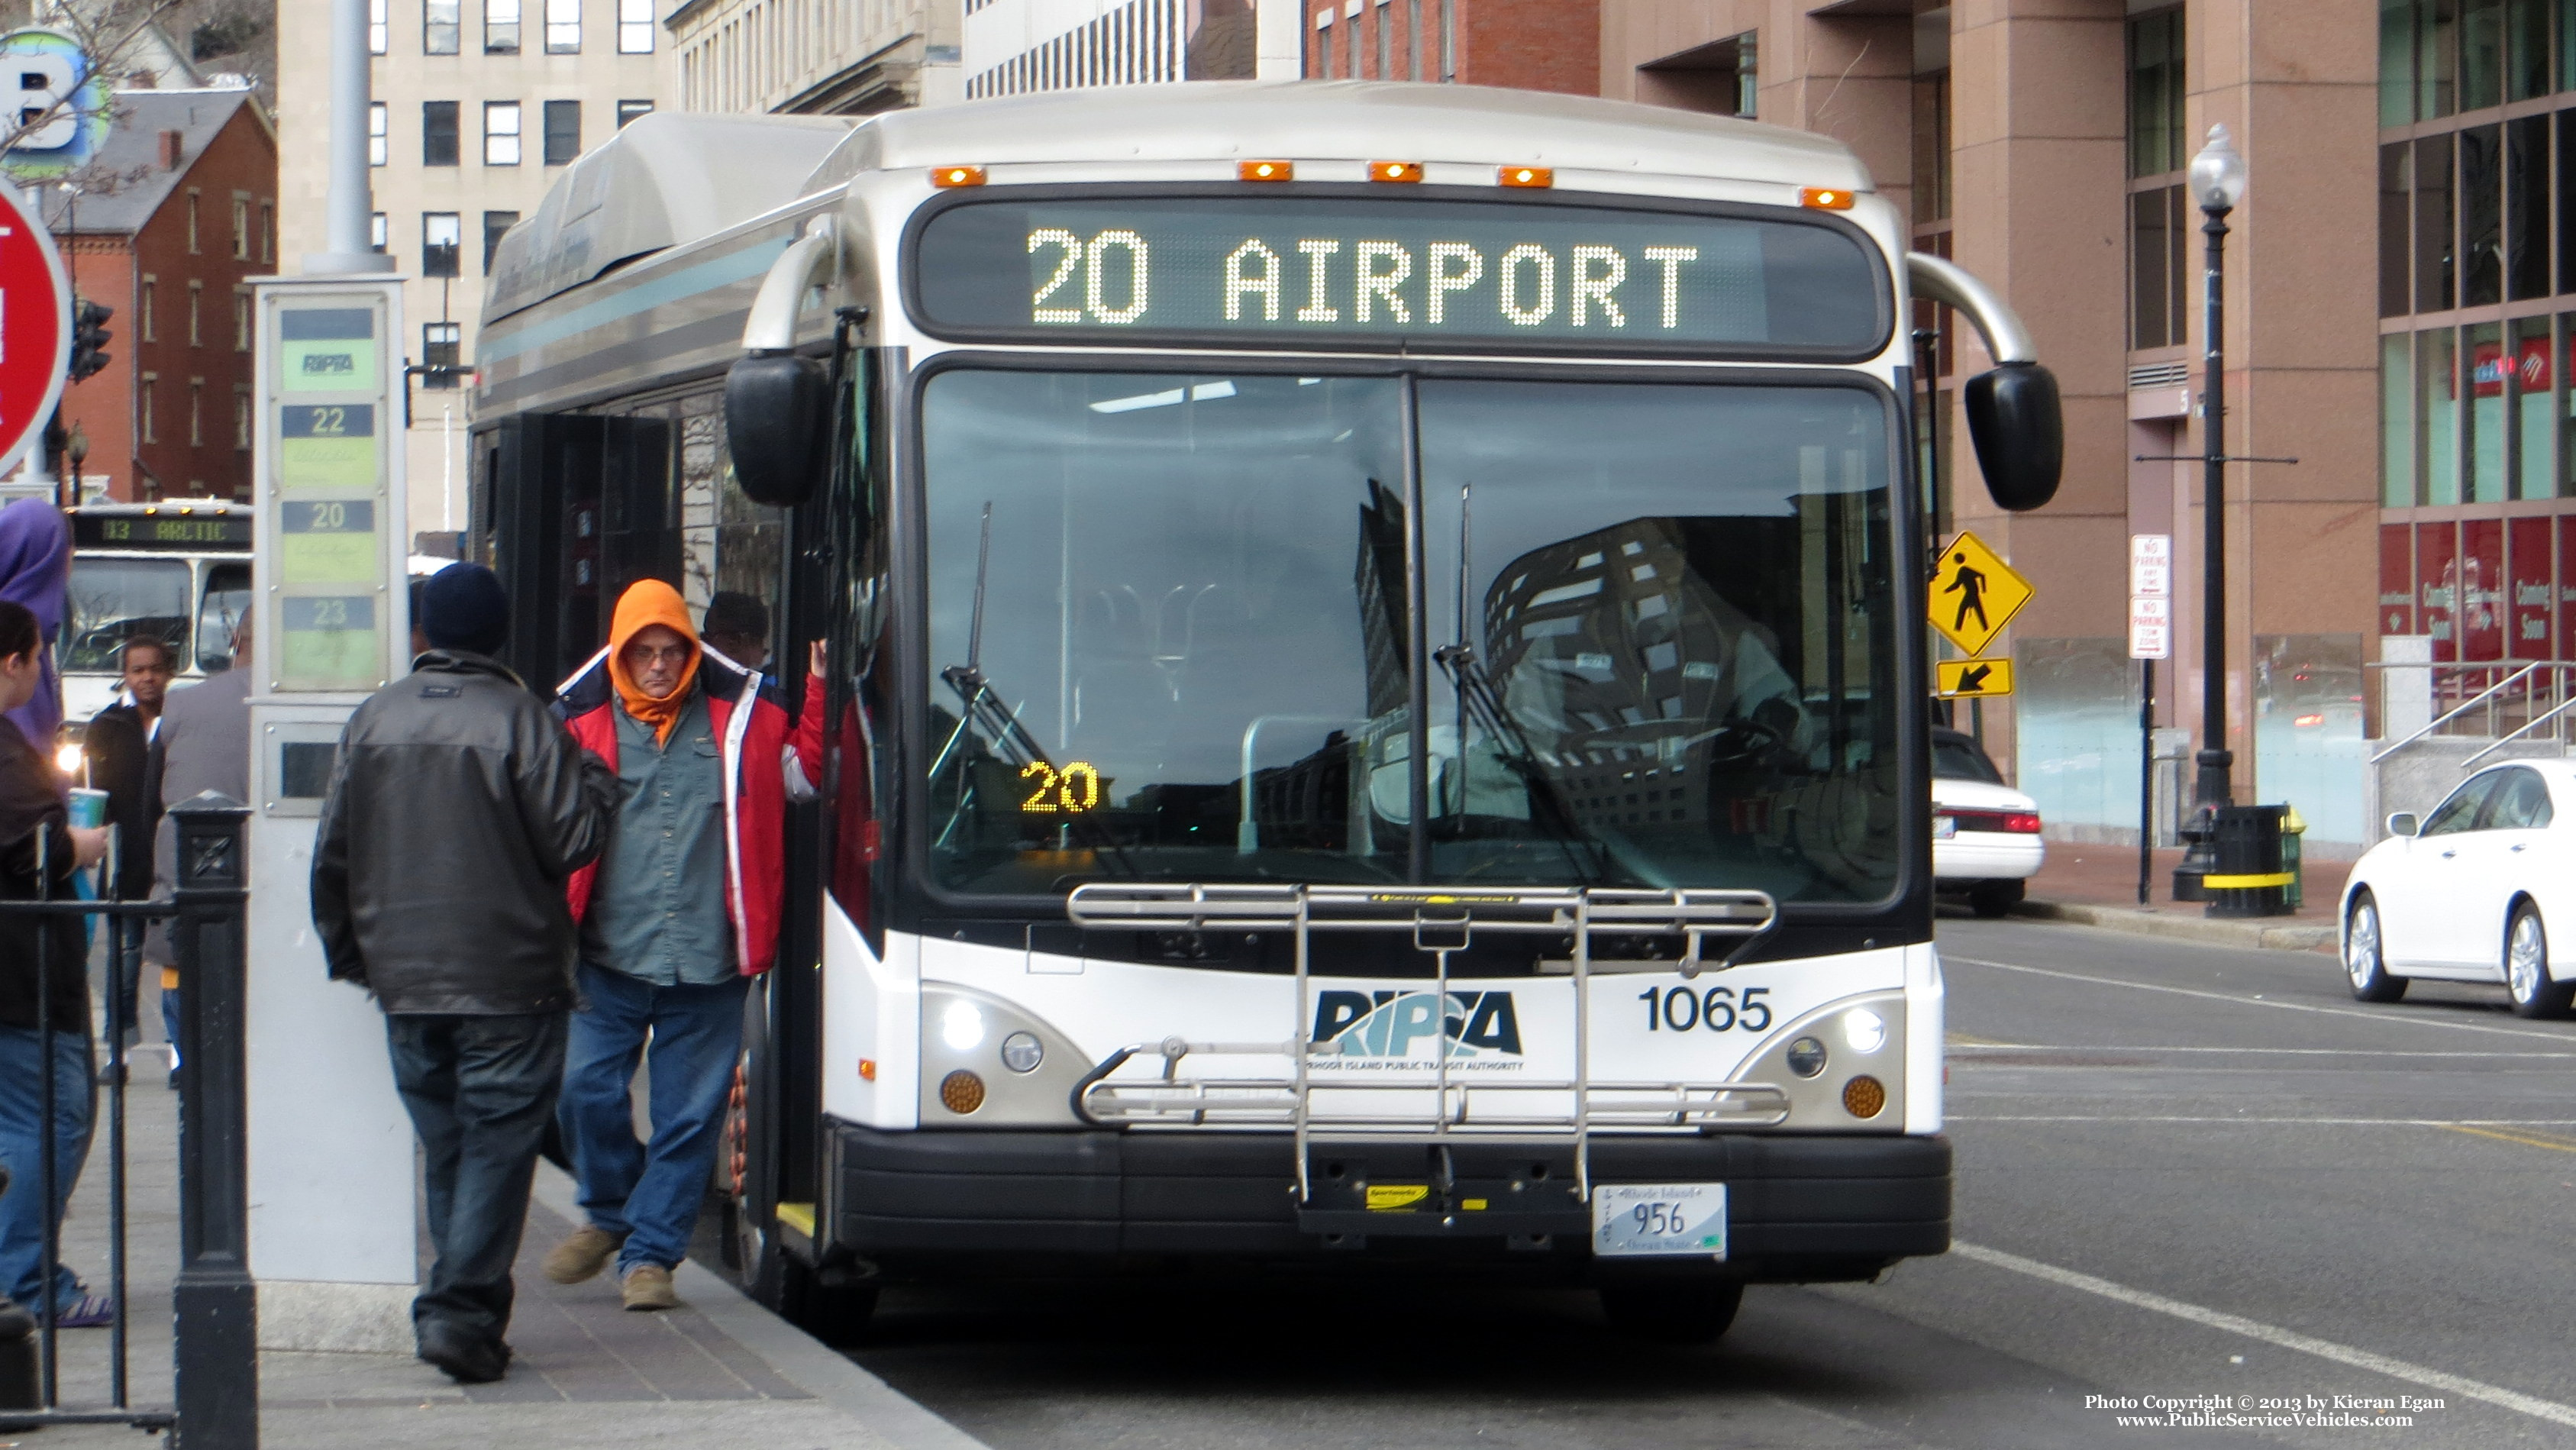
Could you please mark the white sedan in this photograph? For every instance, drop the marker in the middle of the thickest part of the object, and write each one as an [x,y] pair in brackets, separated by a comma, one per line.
[1985,834]
[2469,892]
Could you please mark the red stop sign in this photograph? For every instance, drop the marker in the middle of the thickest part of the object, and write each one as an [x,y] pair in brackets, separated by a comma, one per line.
[35,326]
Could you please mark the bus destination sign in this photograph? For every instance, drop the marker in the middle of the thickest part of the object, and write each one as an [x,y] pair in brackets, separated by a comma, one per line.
[160,531]
[1409,272]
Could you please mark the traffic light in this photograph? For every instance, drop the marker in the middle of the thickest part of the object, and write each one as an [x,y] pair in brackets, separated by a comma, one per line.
[89,337]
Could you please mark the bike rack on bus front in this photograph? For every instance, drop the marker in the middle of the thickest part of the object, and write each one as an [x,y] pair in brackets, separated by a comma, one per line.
[1442,920]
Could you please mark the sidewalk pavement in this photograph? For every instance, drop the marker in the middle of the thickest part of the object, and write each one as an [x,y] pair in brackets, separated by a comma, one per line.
[2097,885]
[720,1373]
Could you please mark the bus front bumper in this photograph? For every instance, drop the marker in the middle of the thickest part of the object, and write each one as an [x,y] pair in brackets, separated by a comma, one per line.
[1800,1208]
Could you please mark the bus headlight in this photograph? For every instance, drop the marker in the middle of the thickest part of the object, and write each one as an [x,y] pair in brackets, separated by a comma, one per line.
[1810,1057]
[1022,1070]
[1864,1030]
[1022,1052]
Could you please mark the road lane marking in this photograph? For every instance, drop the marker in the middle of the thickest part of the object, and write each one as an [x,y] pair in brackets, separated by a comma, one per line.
[1962,1039]
[2479,1054]
[2290,1339]
[2463,1124]
[2257,1001]
[2482,1131]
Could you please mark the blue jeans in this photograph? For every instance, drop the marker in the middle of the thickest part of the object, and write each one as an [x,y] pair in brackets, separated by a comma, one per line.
[22,1115]
[649,1193]
[479,1090]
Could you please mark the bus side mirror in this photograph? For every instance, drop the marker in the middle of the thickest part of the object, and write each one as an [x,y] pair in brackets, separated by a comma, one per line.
[777,406]
[2020,438]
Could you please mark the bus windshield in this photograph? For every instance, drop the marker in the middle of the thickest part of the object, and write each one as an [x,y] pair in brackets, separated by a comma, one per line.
[1179,624]
[114,599]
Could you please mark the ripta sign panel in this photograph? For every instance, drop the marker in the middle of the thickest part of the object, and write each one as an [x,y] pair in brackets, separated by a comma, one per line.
[1395,1030]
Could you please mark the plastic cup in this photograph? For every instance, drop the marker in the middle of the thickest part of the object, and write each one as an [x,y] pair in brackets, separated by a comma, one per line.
[89,807]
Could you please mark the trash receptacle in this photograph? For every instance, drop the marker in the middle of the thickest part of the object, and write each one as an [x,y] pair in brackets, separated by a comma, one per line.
[2251,879]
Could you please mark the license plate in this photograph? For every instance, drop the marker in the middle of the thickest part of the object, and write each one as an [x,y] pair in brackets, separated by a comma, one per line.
[1944,827]
[1659,1218]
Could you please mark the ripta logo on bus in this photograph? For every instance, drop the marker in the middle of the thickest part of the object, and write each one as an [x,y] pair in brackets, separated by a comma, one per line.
[1395,1029]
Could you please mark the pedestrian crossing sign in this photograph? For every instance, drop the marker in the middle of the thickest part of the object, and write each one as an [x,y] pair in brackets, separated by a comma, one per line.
[1971,679]
[1975,594]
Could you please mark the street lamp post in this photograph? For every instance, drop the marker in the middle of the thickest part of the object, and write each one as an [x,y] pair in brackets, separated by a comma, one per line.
[2217,181]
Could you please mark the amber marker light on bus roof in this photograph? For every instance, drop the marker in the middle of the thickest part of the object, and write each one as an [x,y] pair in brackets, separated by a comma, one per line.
[1265,171]
[1536,176]
[1826,198]
[1395,171]
[957,176]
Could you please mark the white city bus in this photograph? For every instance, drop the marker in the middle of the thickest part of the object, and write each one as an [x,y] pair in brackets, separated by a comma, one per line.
[1376,701]
[178,568]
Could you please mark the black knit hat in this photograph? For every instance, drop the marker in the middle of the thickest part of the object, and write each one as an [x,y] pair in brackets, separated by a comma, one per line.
[463,607]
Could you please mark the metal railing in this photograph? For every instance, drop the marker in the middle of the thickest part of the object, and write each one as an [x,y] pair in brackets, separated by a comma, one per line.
[2493,700]
[215,1362]
[1442,921]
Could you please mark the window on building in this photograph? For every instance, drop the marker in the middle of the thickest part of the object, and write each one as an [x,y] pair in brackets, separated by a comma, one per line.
[268,231]
[442,29]
[438,133]
[2160,233]
[440,344]
[563,27]
[500,27]
[634,27]
[196,304]
[146,413]
[241,229]
[1721,78]
[379,232]
[196,412]
[241,418]
[500,133]
[563,132]
[241,321]
[441,232]
[193,248]
[496,224]
[629,110]
[379,134]
[379,26]
[1932,147]
[144,305]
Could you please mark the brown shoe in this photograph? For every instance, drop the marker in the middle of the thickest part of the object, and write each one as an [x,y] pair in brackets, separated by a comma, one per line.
[648,1286]
[582,1256]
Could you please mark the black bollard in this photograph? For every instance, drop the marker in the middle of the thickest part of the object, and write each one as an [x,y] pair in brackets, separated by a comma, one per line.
[213,1301]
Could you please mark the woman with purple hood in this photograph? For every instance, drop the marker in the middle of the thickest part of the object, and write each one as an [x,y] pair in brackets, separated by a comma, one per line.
[35,571]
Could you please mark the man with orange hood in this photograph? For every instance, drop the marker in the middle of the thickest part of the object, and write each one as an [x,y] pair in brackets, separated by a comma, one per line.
[677,917]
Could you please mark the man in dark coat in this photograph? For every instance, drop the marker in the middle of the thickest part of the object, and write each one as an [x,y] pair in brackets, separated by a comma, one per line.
[117,746]
[458,810]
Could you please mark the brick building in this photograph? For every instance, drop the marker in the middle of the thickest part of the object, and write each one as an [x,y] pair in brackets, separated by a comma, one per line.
[1530,45]
[164,225]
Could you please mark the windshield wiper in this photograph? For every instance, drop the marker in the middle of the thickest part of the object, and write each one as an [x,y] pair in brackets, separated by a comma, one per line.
[1548,805]
[982,710]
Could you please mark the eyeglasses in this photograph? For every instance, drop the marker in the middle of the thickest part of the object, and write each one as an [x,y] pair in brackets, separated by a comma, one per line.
[672,654]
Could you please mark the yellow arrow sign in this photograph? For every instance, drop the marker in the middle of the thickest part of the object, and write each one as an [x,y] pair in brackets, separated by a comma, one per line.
[1971,679]
[1975,594]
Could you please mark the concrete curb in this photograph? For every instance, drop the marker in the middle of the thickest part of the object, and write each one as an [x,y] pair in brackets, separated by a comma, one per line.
[2203,930]
[799,1358]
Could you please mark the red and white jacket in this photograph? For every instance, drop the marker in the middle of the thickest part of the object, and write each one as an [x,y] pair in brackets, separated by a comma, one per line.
[767,760]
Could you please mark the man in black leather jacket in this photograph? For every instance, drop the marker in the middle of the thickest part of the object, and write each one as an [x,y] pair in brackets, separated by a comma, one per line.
[459,806]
